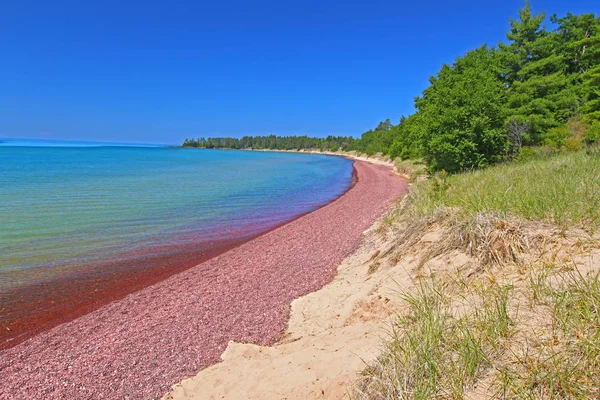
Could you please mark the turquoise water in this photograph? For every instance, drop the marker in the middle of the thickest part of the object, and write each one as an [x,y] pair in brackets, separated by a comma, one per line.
[68,204]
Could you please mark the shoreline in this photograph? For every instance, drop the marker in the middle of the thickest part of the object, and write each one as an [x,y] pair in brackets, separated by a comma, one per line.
[70,295]
[353,155]
[331,335]
[140,345]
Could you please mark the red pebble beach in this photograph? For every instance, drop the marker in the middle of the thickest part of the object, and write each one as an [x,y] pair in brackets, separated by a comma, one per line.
[141,345]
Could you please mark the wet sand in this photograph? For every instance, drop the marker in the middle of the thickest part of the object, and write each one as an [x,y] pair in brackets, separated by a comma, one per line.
[137,347]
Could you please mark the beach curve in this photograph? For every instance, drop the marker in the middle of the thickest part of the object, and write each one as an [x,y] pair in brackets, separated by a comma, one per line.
[139,346]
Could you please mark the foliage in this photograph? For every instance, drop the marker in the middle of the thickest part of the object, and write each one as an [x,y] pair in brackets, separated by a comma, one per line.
[591,92]
[592,135]
[462,114]
[272,142]
[540,91]
[491,102]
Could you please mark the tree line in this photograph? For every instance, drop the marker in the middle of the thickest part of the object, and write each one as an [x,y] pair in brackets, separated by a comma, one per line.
[541,87]
[273,142]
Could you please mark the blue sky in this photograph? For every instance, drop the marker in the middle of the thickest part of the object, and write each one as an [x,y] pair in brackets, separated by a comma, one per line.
[162,71]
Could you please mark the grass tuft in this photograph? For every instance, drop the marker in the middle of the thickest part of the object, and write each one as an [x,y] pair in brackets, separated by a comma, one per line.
[567,365]
[435,351]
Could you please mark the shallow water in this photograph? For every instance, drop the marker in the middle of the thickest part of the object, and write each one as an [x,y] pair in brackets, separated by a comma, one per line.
[66,212]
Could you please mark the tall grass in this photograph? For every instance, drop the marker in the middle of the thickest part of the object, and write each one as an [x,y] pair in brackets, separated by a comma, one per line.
[562,188]
[434,352]
[568,365]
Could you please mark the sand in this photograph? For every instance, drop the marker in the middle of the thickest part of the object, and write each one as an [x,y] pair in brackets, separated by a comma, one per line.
[332,334]
[139,346]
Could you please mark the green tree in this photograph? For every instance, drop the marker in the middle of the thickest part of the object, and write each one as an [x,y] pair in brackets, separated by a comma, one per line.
[579,41]
[591,92]
[406,142]
[541,93]
[523,35]
[462,114]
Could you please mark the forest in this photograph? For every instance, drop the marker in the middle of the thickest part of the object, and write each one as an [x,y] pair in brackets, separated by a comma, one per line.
[272,142]
[540,88]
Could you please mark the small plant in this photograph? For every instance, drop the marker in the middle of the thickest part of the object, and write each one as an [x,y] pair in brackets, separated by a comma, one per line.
[440,182]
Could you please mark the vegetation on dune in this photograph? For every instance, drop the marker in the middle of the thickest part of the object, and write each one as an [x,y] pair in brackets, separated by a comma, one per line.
[436,352]
[479,339]
[520,318]
[566,360]
[539,88]
[562,188]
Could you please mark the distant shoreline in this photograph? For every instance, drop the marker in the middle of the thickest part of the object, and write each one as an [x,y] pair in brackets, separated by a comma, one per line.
[376,159]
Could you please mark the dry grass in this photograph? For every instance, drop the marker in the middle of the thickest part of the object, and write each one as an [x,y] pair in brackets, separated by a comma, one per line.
[563,360]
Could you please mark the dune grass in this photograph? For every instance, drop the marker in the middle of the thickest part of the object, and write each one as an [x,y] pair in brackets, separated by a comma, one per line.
[562,188]
[536,335]
[437,351]
[455,334]
[564,363]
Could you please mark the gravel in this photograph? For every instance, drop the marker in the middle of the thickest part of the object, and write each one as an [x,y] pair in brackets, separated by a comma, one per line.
[139,346]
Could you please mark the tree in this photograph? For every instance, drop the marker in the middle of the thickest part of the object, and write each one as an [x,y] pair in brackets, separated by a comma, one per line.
[462,114]
[579,41]
[384,125]
[522,37]
[406,142]
[515,131]
[541,94]
[591,92]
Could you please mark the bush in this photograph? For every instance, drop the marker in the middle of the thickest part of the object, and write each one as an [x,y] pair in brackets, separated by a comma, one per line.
[555,137]
[526,154]
[592,134]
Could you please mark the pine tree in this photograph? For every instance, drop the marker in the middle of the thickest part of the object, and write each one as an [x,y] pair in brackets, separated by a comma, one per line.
[579,41]
[522,36]
[541,94]
[591,91]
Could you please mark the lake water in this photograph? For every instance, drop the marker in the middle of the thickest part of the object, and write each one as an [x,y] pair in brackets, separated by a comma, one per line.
[76,215]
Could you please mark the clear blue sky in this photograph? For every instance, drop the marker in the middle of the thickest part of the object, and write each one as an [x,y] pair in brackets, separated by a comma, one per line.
[162,71]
